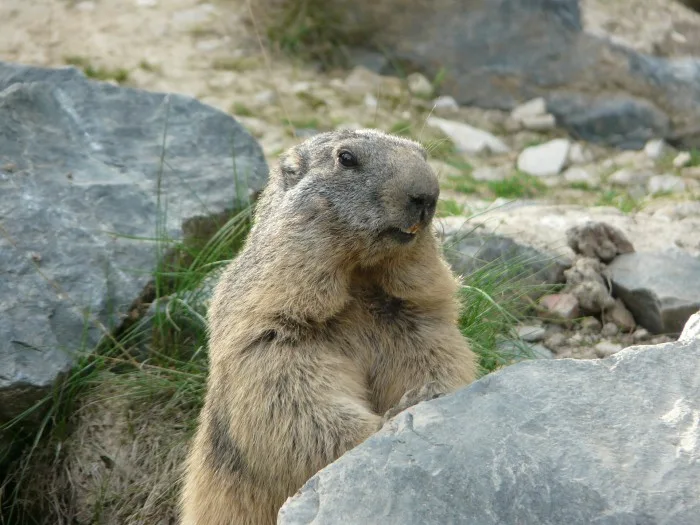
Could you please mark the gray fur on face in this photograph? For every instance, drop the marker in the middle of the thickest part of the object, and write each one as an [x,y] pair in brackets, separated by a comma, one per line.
[390,190]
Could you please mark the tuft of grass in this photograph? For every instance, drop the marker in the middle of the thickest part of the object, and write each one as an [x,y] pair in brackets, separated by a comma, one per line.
[448,207]
[583,186]
[496,295]
[235,63]
[521,185]
[119,75]
[312,30]
[147,66]
[240,109]
[623,201]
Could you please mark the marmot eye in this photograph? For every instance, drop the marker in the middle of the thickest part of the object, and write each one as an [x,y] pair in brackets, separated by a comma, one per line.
[347,159]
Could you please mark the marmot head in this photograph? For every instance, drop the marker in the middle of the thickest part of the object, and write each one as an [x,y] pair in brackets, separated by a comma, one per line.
[371,188]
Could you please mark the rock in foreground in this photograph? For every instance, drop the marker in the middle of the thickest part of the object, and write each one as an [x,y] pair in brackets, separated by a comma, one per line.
[542,442]
[80,173]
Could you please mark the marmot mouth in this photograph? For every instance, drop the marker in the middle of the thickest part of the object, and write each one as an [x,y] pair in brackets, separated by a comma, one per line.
[400,235]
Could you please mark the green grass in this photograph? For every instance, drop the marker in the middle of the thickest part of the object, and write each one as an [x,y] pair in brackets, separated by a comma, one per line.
[119,75]
[520,185]
[149,379]
[620,200]
[240,109]
[312,30]
[448,207]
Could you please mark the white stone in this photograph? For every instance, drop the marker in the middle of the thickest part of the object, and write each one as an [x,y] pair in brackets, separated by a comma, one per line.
[580,175]
[266,97]
[545,159]
[146,3]
[371,101]
[692,328]
[301,87]
[468,139]
[531,333]
[655,149]
[539,122]
[445,104]
[606,349]
[665,184]
[419,86]
[536,107]
[682,160]
[578,154]
[629,177]
[85,6]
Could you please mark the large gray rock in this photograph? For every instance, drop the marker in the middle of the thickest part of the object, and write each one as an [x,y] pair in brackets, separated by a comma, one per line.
[499,54]
[545,442]
[79,184]
[662,290]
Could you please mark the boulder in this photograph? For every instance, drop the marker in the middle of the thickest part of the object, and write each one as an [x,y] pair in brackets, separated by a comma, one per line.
[544,160]
[662,290]
[540,442]
[498,54]
[90,173]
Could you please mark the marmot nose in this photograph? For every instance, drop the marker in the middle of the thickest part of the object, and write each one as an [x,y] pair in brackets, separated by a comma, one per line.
[423,206]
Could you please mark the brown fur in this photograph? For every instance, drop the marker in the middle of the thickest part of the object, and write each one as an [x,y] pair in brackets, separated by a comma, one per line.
[321,324]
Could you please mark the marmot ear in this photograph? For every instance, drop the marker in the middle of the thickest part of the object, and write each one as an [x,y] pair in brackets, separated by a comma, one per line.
[292,166]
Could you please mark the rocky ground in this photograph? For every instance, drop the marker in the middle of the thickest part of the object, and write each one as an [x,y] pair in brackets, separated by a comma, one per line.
[212,51]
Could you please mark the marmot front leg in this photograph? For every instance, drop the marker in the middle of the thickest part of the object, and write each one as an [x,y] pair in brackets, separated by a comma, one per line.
[430,390]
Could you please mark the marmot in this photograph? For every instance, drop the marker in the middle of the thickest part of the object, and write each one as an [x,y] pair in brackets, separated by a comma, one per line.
[338,312]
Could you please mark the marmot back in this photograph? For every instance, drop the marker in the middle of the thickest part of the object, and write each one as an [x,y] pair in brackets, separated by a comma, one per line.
[338,312]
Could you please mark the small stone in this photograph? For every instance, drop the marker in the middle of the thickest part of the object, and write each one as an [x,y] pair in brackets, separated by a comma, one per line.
[621,316]
[545,159]
[655,149]
[628,177]
[576,175]
[555,341]
[531,333]
[541,352]
[691,331]
[536,107]
[577,338]
[590,324]
[209,45]
[445,104]
[682,160]
[146,3]
[560,306]
[489,173]
[371,101]
[468,139]
[265,98]
[592,296]
[85,6]
[609,330]
[419,86]
[597,240]
[540,123]
[633,159]
[579,155]
[606,349]
[665,184]
[640,334]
